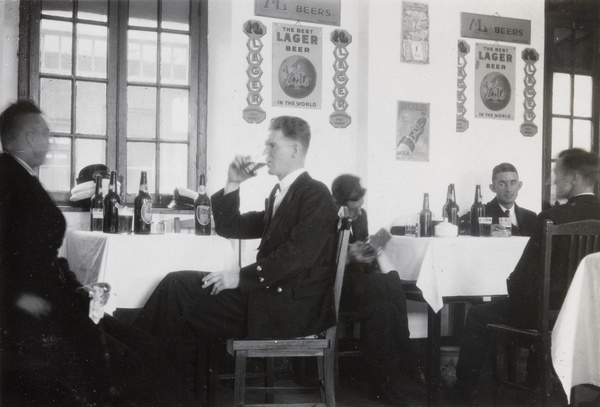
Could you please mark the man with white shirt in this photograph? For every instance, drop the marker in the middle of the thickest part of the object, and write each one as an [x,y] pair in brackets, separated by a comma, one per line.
[288,291]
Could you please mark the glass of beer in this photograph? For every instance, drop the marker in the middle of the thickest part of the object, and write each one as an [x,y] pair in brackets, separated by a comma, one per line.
[485,226]
[125,221]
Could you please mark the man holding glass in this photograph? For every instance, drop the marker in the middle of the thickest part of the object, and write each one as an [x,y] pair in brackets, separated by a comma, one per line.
[288,291]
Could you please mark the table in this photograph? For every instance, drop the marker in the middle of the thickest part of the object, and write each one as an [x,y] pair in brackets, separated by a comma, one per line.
[450,270]
[576,333]
[134,264]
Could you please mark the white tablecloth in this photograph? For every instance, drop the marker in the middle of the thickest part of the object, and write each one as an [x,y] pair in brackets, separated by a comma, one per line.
[450,267]
[134,264]
[576,334]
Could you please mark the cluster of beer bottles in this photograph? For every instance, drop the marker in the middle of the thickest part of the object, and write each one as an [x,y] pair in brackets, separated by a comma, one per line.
[450,212]
[104,211]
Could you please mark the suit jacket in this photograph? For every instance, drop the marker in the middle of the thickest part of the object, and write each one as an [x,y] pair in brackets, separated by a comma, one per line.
[31,232]
[289,287]
[525,218]
[525,280]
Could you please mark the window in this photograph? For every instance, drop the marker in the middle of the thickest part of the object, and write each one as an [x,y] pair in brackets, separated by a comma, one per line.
[572,82]
[121,83]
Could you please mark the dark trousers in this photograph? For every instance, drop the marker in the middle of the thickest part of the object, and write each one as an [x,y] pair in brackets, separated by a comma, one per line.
[183,317]
[380,304]
[476,340]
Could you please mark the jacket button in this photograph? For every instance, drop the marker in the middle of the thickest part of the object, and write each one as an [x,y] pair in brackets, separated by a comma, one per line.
[258,268]
[267,287]
[279,289]
[261,279]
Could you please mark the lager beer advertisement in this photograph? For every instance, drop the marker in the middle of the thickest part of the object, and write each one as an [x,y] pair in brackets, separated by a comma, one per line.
[412,131]
[495,82]
[297,59]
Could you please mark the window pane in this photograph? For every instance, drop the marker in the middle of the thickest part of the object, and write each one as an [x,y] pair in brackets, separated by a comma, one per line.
[582,96]
[55,102]
[562,48]
[174,54]
[60,8]
[96,10]
[91,50]
[143,13]
[560,135]
[89,152]
[142,56]
[561,97]
[583,56]
[140,157]
[90,116]
[55,47]
[173,167]
[55,173]
[582,134]
[173,114]
[141,112]
[175,14]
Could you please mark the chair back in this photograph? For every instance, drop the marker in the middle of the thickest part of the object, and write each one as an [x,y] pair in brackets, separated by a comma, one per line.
[179,224]
[344,225]
[581,238]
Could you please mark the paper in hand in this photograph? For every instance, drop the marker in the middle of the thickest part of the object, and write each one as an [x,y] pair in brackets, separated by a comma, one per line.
[379,239]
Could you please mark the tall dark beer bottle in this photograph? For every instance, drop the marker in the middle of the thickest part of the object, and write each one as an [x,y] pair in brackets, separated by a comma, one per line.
[477,211]
[426,227]
[142,208]
[202,209]
[112,201]
[450,210]
[97,207]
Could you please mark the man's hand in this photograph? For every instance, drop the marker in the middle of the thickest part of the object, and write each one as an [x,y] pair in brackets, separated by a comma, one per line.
[94,289]
[361,252]
[223,280]
[36,306]
[238,172]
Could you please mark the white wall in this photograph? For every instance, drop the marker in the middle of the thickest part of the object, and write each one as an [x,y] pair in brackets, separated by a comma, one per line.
[9,21]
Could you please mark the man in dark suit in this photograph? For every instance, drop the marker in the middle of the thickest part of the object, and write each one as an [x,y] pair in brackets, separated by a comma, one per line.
[288,291]
[379,302]
[576,173]
[506,185]
[59,355]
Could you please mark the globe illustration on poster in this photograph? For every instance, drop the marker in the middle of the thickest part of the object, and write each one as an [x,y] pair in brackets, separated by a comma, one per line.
[495,91]
[297,76]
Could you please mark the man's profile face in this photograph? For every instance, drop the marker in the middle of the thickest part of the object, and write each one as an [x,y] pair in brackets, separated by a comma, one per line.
[279,151]
[355,208]
[506,186]
[563,181]
[38,134]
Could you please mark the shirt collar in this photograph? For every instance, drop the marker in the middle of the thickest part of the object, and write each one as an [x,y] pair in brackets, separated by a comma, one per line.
[25,165]
[289,179]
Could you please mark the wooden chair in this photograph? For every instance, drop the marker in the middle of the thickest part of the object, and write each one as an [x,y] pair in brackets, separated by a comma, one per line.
[583,238]
[179,224]
[322,348]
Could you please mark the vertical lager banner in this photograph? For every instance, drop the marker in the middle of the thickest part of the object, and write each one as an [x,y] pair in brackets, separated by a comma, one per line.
[495,82]
[297,66]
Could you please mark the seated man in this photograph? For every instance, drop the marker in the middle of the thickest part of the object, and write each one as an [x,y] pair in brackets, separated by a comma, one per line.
[288,291]
[506,185]
[64,357]
[379,301]
[576,172]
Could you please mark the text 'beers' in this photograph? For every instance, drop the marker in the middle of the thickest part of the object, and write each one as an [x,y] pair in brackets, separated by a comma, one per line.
[202,211]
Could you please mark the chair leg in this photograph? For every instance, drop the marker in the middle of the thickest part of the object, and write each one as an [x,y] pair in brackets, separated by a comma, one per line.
[269,372]
[240,378]
[214,370]
[329,377]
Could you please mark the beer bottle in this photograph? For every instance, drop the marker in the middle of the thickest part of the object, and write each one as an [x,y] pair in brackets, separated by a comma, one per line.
[477,211]
[202,210]
[97,206]
[142,208]
[450,210]
[112,201]
[425,225]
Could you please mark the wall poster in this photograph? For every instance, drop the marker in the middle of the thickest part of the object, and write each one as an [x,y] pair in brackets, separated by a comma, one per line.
[412,131]
[415,33]
[495,82]
[297,70]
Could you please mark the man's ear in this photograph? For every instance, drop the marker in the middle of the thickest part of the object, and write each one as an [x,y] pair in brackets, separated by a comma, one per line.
[520,183]
[492,188]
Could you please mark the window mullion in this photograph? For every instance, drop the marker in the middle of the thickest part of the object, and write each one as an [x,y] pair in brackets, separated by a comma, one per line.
[118,88]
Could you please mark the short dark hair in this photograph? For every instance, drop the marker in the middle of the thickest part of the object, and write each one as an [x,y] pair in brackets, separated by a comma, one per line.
[10,119]
[293,127]
[584,163]
[503,167]
[346,188]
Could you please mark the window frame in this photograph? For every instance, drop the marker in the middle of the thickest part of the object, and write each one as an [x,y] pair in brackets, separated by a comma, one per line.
[29,85]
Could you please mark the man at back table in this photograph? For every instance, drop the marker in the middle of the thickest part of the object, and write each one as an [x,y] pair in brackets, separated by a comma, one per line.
[288,291]
[576,173]
[506,185]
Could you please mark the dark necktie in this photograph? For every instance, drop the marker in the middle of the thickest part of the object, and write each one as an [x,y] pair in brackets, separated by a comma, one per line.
[507,213]
[272,195]
[515,228]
